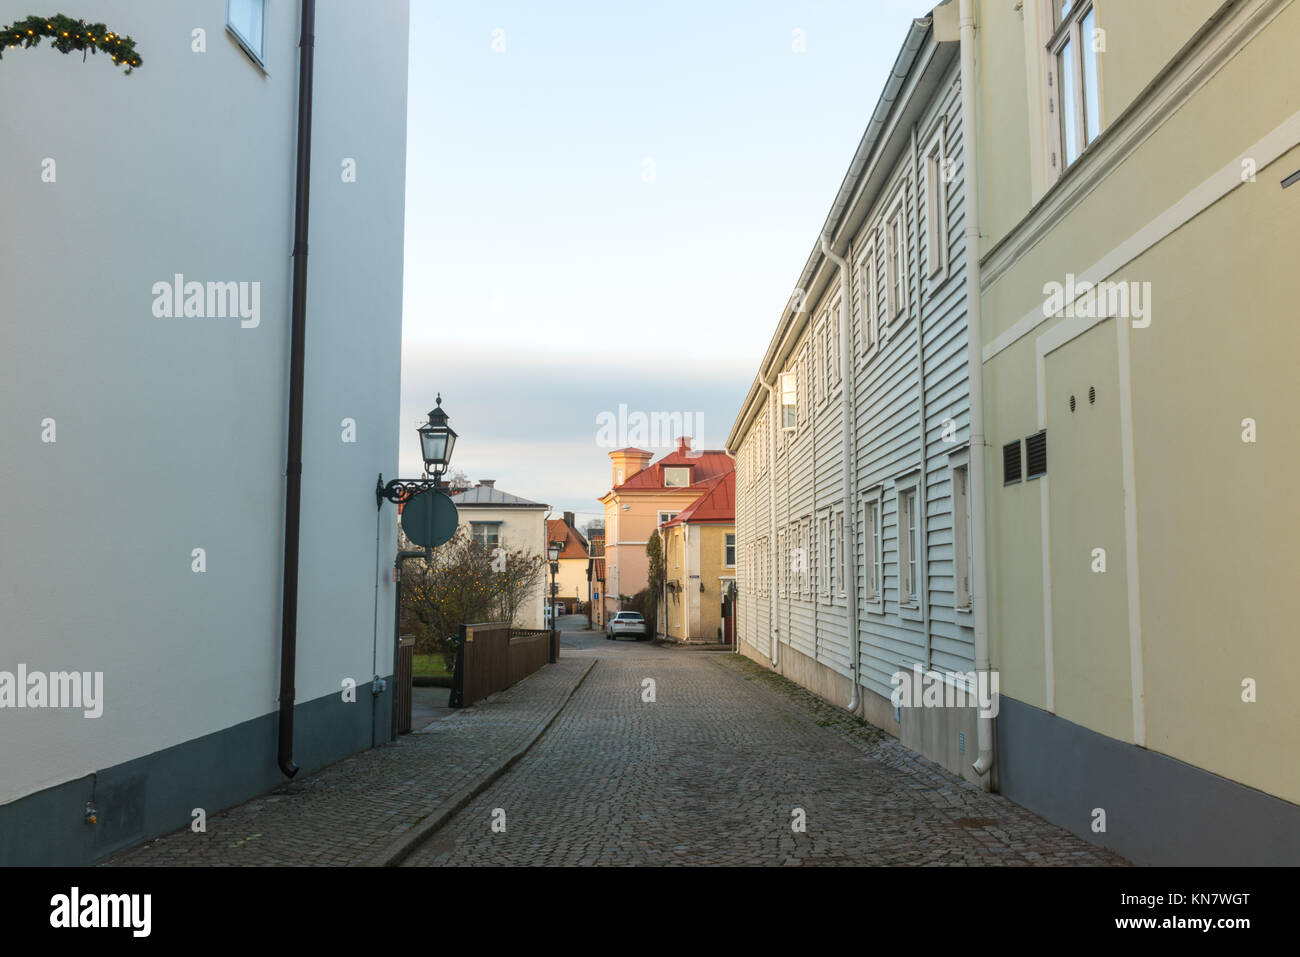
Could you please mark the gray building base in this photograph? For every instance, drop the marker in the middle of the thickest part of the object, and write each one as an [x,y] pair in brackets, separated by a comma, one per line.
[151,795]
[1159,810]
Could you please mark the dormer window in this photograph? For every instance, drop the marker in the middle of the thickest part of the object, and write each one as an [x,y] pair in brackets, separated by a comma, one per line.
[677,477]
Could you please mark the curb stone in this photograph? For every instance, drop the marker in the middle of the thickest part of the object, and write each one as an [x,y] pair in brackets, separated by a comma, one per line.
[398,850]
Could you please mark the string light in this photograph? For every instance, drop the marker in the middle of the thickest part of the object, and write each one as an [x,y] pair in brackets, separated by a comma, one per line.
[67,35]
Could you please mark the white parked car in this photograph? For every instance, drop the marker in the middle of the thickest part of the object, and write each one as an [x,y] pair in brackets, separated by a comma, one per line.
[626,623]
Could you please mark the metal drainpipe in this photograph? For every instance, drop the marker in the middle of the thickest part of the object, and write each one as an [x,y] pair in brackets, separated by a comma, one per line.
[298,326]
[775,654]
[975,367]
[847,471]
[403,555]
[922,525]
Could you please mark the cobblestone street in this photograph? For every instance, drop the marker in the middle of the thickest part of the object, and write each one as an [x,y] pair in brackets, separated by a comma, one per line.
[714,771]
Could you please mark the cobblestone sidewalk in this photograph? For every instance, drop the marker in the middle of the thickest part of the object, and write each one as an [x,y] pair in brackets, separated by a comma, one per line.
[347,812]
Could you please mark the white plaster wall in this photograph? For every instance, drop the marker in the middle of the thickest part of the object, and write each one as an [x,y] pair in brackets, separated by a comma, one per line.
[171,432]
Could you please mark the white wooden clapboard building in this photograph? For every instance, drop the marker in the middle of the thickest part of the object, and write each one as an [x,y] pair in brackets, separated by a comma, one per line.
[891,539]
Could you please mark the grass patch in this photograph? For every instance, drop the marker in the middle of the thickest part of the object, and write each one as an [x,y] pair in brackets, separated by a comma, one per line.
[430,666]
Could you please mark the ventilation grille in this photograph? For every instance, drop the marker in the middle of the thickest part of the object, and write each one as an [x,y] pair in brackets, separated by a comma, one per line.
[1036,454]
[1011,462]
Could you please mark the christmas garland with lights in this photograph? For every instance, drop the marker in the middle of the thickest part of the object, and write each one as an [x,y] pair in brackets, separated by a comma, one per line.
[66,35]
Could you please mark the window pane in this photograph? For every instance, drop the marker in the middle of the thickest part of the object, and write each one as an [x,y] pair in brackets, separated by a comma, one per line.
[932,196]
[1060,10]
[1091,99]
[866,301]
[245,16]
[1066,103]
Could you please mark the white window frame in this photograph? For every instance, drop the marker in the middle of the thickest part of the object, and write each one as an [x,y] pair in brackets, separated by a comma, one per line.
[1069,33]
[868,311]
[873,549]
[909,559]
[729,549]
[682,470]
[936,205]
[896,258]
[831,332]
[789,394]
[838,551]
[823,358]
[246,43]
[823,556]
[476,526]
[962,559]
[801,544]
[669,518]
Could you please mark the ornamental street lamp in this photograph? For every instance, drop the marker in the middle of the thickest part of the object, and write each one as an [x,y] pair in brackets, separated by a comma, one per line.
[437,439]
[553,552]
[429,516]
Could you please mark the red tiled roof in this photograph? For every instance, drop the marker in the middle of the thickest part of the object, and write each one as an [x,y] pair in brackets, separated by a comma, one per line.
[705,466]
[717,504]
[557,530]
[600,569]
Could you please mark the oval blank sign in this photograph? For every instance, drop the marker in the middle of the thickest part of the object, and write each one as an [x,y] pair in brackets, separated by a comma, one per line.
[429,519]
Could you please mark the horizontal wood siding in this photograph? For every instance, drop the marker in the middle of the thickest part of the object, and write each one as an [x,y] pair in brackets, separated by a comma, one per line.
[806,482]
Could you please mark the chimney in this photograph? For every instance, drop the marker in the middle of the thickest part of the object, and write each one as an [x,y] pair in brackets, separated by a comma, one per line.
[684,444]
[627,462]
[568,519]
[487,483]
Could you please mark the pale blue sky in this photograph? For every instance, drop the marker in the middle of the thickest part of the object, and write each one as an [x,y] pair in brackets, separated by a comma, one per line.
[614,209]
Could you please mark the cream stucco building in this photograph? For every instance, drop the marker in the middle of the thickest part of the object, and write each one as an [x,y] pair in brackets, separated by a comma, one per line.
[699,549]
[642,497]
[1142,524]
[494,517]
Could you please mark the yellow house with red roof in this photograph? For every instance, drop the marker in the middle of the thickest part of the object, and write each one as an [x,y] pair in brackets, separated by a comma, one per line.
[700,565]
[571,580]
[642,497]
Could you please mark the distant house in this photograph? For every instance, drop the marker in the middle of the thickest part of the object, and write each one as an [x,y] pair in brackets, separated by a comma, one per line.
[643,497]
[493,518]
[699,564]
[596,580]
[572,577]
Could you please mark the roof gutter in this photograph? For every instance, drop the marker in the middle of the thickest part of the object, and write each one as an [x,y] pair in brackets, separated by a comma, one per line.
[298,328]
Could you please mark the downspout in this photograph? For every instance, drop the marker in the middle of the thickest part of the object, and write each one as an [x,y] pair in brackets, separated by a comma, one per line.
[772,402]
[975,371]
[922,524]
[847,472]
[403,555]
[298,328]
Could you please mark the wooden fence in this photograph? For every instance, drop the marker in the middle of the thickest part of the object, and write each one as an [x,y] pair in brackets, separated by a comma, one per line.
[403,681]
[493,656]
